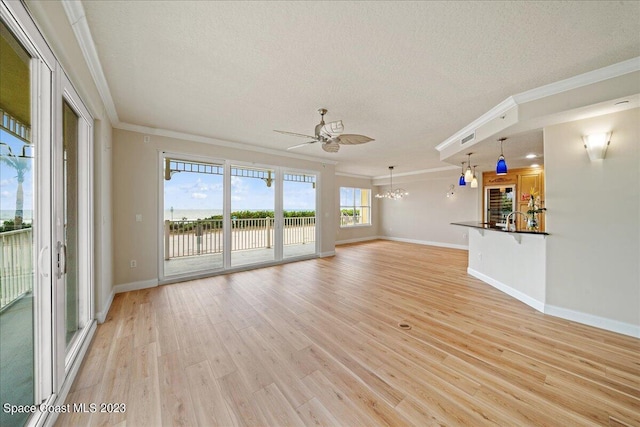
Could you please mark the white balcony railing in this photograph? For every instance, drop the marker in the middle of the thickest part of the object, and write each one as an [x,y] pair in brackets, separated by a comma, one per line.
[16,265]
[189,238]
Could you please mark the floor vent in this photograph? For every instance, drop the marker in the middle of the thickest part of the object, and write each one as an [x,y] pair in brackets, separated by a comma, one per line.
[404,325]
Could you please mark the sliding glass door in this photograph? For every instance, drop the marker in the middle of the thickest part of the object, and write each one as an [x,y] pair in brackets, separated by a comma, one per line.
[253,201]
[46,247]
[192,224]
[18,248]
[224,215]
[299,214]
[72,201]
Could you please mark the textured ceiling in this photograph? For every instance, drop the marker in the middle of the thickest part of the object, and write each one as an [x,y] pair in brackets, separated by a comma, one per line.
[409,74]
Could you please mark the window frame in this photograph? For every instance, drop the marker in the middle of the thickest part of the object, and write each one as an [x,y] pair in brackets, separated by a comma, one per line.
[355,206]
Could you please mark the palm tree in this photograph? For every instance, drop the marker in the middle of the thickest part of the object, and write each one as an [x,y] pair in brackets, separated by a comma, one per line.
[21,164]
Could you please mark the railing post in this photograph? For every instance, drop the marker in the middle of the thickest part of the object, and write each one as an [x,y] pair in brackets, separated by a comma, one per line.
[167,236]
[304,230]
[199,237]
[268,230]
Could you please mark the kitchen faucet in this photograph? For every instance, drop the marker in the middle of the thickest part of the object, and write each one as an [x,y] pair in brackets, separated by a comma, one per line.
[508,227]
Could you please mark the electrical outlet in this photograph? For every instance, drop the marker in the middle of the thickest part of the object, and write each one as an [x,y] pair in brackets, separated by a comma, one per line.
[138,217]
[480,256]
[147,138]
[464,235]
[134,263]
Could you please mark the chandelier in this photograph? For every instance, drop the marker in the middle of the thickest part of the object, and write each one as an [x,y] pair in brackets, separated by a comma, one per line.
[392,194]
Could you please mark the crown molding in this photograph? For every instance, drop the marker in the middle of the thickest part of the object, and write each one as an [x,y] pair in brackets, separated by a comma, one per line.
[610,72]
[419,172]
[78,21]
[575,82]
[219,142]
[353,175]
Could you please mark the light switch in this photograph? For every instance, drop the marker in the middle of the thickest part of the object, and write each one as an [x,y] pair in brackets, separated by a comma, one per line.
[138,217]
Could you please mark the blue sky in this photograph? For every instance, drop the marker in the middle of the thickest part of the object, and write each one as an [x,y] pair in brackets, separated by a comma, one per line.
[203,191]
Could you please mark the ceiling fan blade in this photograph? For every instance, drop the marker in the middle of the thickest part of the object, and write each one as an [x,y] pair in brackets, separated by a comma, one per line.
[301,145]
[351,139]
[332,129]
[299,135]
[331,146]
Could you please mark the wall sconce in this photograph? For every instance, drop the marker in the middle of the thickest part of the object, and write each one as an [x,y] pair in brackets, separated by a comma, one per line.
[596,145]
[450,193]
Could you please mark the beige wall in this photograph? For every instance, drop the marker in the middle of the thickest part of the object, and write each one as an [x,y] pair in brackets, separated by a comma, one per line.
[593,217]
[426,214]
[354,234]
[52,21]
[136,191]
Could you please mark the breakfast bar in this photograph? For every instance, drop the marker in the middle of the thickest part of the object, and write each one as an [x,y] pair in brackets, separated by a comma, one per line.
[511,261]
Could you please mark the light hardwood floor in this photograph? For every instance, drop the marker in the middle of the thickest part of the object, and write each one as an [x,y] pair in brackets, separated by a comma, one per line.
[317,343]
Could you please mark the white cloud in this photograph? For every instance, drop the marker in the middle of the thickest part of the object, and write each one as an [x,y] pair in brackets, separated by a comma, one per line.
[198,196]
[5,193]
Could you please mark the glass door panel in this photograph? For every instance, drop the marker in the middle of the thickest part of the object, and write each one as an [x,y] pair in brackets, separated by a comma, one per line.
[299,212]
[70,128]
[193,237]
[17,248]
[252,215]
[499,202]
[72,199]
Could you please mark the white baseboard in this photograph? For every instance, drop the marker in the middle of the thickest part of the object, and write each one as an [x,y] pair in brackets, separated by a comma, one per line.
[520,296]
[102,314]
[425,242]
[564,313]
[592,320]
[327,254]
[360,239]
[134,286]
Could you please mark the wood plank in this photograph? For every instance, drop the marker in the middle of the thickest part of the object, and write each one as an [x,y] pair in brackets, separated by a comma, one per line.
[210,406]
[317,343]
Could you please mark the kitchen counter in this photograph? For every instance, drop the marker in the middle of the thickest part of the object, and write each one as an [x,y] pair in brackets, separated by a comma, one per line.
[487,226]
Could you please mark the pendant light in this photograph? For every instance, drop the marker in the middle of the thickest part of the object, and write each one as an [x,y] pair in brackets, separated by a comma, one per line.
[468,175]
[461,182]
[392,194]
[474,180]
[501,166]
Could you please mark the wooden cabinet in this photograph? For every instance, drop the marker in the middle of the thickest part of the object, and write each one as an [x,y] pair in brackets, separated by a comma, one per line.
[530,181]
[525,180]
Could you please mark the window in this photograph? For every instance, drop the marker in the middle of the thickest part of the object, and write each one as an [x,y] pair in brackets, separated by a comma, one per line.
[355,206]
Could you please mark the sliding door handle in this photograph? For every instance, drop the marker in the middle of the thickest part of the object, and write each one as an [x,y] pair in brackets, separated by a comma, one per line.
[43,272]
[62,259]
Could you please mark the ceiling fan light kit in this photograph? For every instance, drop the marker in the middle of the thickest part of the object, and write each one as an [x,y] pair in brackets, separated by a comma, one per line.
[329,134]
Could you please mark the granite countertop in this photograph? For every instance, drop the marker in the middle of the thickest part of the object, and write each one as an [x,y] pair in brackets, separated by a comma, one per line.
[487,226]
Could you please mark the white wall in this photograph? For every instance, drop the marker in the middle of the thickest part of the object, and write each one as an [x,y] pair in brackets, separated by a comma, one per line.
[511,262]
[136,181]
[426,214]
[53,23]
[593,217]
[360,233]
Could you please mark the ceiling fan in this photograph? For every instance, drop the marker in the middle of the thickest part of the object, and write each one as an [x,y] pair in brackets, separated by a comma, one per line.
[329,134]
